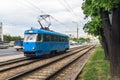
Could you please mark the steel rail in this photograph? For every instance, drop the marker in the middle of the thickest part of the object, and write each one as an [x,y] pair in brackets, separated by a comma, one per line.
[71,62]
[25,58]
[13,61]
[29,71]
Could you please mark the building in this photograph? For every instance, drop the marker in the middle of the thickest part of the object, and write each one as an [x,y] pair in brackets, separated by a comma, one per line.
[1,35]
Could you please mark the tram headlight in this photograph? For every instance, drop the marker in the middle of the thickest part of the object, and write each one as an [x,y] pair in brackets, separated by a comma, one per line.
[33,48]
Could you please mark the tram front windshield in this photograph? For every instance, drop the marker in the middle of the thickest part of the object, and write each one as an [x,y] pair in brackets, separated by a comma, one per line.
[30,37]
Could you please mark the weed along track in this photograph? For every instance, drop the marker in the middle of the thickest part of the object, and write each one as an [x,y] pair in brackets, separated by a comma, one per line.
[47,68]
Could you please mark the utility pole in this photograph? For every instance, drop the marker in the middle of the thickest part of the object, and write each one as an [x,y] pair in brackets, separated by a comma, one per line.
[77,28]
[1,35]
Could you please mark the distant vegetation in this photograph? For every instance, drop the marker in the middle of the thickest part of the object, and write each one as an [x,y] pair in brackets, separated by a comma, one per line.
[8,38]
[81,40]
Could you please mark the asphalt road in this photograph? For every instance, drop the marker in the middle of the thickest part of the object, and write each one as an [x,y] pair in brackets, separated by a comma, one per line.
[9,51]
[12,51]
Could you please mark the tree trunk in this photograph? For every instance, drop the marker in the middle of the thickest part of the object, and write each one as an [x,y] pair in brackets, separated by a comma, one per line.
[106,34]
[104,44]
[111,40]
[115,44]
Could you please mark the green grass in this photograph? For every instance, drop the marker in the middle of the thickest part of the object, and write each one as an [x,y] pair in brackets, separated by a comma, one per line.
[96,68]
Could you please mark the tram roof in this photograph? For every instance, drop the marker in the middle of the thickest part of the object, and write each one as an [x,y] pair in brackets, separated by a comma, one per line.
[42,31]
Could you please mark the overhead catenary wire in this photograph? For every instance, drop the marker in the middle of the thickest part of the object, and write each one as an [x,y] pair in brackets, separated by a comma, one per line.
[43,12]
[67,9]
[70,10]
[35,6]
[76,14]
[58,21]
[73,10]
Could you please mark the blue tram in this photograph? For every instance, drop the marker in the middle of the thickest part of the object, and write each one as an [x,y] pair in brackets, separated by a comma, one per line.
[39,42]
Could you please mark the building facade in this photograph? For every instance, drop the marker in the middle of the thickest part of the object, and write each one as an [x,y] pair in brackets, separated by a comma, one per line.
[1,34]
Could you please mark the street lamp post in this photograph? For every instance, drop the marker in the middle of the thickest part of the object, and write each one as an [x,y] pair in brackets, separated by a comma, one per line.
[77,28]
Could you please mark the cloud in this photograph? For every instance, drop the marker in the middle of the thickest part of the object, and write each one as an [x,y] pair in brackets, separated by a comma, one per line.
[19,15]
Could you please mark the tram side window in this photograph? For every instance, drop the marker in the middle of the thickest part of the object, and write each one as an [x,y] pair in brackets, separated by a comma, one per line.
[53,38]
[63,39]
[67,39]
[46,37]
[60,39]
[39,38]
[57,38]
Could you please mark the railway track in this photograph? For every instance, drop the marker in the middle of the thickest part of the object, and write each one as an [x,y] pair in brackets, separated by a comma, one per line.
[45,69]
[18,64]
[7,65]
[13,61]
[25,58]
[72,70]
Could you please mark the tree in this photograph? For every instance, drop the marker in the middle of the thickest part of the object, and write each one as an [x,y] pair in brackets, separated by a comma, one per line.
[8,38]
[105,23]
[81,40]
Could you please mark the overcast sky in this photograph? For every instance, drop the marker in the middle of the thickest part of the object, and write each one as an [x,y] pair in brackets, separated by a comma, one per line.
[19,15]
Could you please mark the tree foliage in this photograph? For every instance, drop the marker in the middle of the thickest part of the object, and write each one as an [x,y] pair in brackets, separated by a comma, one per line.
[108,29]
[8,38]
[93,26]
[92,9]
